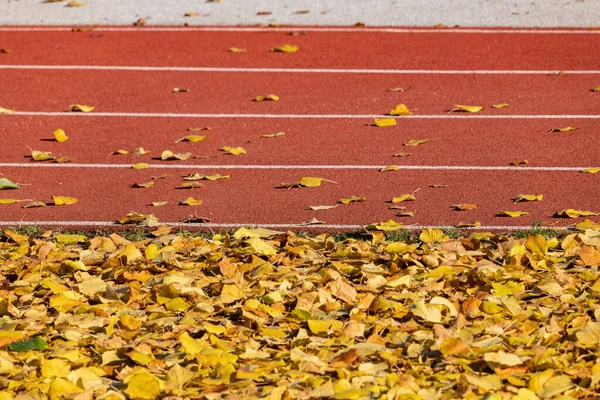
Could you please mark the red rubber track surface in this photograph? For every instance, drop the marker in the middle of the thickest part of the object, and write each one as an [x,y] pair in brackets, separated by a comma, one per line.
[251,196]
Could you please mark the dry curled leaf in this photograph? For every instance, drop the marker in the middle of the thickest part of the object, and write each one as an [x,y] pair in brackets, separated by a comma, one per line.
[236,50]
[463,108]
[145,185]
[236,151]
[404,197]
[6,111]
[519,162]
[402,154]
[462,207]
[383,122]
[416,142]
[401,110]
[565,129]
[81,108]
[63,201]
[513,214]
[269,97]
[389,168]
[590,170]
[179,90]
[273,135]
[352,199]
[190,201]
[528,197]
[306,181]
[140,166]
[60,136]
[322,207]
[286,48]
[169,155]
[572,213]
[198,177]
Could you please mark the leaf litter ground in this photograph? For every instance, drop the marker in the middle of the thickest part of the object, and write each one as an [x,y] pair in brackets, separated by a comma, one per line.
[262,314]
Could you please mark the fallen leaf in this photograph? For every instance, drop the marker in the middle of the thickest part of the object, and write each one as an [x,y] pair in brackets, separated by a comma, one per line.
[5,51]
[81,108]
[389,168]
[143,385]
[145,185]
[468,224]
[404,197]
[138,219]
[590,170]
[566,129]
[528,197]
[353,199]
[286,48]
[416,142]
[140,151]
[306,181]
[383,122]
[63,201]
[462,207]
[190,201]
[439,186]
[513,214]
[264,13]
[35,343]
[140,22]
[571,213]
[205,128]
[74,3]
[236,50]
[9,201]
[405,214]
[402,154]
[388,226]
[322,207]
[41,155]
[313,221]
[269,97]
[120,152]
[587,224]
[432,235]
[192,138]
[169,155]
[191,14]
[273,135]
[501,105]
[198,177]
[179,90]
[400,109]
[7,184]
[140,166]
[595,89]
[194,219]
[470,109]
[400,89]
[236,151]
[519,162]
[6,111]
[191,185]
[158,203]
[35,204]
[302,11]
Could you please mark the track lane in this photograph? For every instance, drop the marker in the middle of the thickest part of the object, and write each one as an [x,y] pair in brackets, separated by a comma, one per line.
[316,142]
[413,50]
[252,197]
[233,93]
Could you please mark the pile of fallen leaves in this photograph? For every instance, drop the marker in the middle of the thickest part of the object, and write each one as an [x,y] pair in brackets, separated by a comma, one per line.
[276,315]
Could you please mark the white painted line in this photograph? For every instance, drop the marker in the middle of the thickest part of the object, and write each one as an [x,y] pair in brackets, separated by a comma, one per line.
[295,70]
[588,31]
[239,225]
[304,167]
[295,116]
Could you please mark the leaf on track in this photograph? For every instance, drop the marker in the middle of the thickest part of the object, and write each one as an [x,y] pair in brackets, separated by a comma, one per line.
[236,50]
[190,201]
[513,214]
[145,185]
[286,48]
[402,154]
[81,108]
[416,142]
[140,166]
[63,201]
[463,108]
[6,111]
[400,110]
[591,170]
[5,184]
[273,135]
[565,129]
[387,226]
[403,198]
[352,199]
[383,122]
[501,105]
[179,90]
[463,207]
[528,197]
[236,151]
[322,207]
[572,213]
[199,177]
[169,155]
[389,168]
[306,181]
[269,97]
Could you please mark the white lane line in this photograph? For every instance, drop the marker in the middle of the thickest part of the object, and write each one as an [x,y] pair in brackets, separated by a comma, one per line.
[305,167]
[301,28]
[295,70]
[239,225]
[295,116]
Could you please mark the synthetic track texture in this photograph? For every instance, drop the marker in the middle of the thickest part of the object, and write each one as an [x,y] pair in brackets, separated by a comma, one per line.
[48,70]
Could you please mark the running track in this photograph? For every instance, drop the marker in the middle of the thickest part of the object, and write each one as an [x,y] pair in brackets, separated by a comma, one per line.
[330,91]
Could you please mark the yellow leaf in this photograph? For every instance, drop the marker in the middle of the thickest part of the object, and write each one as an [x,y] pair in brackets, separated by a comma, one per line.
[528,197]
[55,368]
[192,138]
[514,214]
[63,201]
[322,207]
[388,226]
[178,377]
[591,170]
[353,199]
[453,346]
[389,168]
[488,383]
[120,152]
[495,359]
[231,294]
[596,89]
[428,312]
[310,181]
[587,224]
[400,109]
[537,244]
[145,185]
[158,203]
[140,166]
[462,207]
[140,151]
[462,108]
[214,329]
[261,246]
[70,239]
[433,235]
[81,108]
[286,48]
[60,136]
[61,388]
[6,111]
[41,155]
[468,224]
[318,326]
[382,122]
[74,3]
[566,129]
[130,253]
[143,385]
[269,97]
[191,14]
[402,154]
[8,201]
[169,155]
[177,304]
[199,177]
[571,213]
[501,105]
[236,50]
[65,301]
[416,142]
[589,336]
[236,151]
[190,201]
[404,197]
[179,90]
[273,135]
[190,345]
